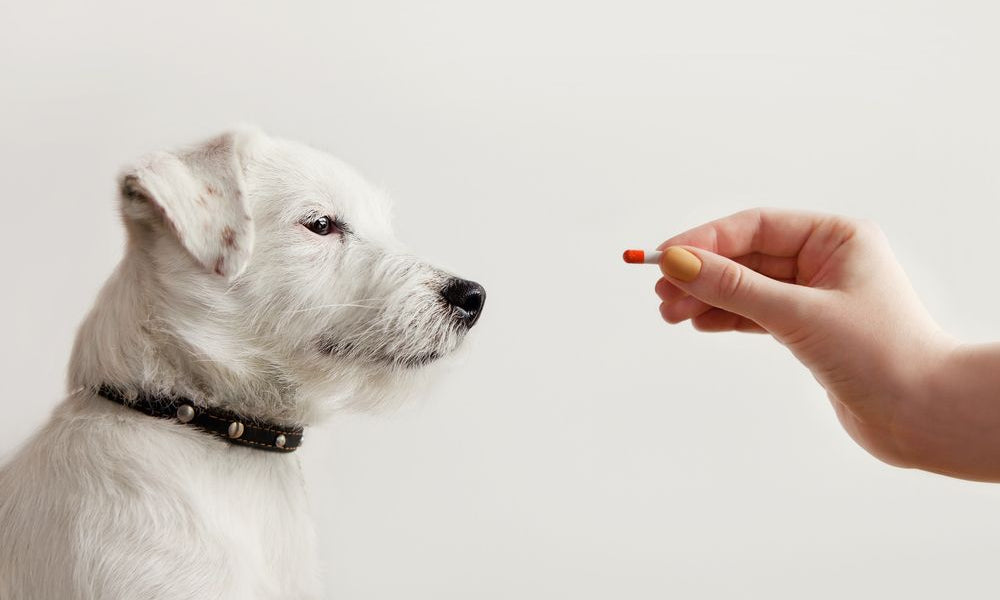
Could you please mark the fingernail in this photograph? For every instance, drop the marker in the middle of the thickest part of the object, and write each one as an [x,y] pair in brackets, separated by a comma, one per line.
[680,264]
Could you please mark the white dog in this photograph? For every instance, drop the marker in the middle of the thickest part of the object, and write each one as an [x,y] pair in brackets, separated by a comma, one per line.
[261,287]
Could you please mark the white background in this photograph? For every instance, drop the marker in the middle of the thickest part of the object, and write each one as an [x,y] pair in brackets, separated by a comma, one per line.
[581,448]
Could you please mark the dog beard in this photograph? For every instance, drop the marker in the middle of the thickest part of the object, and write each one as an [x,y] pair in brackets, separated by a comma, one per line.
[405,339]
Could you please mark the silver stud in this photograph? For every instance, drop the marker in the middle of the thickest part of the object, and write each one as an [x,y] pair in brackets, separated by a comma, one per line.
[235,429]
[280,441]
[185,413]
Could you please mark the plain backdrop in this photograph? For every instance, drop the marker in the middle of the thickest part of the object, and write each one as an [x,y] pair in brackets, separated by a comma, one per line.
[580,448]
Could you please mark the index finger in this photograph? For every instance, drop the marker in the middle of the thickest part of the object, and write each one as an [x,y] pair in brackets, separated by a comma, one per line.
[769,231]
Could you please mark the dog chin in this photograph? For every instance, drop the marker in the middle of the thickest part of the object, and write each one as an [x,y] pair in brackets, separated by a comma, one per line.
[349,351]
[409,362]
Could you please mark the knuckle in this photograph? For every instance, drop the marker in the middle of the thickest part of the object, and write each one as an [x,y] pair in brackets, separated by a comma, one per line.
[874,232]
[731,282]
[754,212]
[866,228]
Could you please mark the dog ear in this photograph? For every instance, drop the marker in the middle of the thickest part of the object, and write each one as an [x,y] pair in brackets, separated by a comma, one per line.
[199,195]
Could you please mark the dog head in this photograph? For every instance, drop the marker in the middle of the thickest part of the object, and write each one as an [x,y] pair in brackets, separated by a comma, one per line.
[272,263]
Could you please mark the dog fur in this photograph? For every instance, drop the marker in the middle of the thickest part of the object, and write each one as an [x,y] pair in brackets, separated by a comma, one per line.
[224,296]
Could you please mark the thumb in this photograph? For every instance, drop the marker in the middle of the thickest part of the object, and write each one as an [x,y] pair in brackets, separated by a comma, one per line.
[726,284]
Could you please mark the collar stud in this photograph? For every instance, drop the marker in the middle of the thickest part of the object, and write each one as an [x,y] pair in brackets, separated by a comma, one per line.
[185,413]
[235,430]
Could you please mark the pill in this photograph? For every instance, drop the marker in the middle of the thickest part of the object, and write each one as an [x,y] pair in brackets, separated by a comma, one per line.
[649,257]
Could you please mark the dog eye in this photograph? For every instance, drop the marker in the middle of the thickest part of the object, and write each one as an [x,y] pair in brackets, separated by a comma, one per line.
[323,225]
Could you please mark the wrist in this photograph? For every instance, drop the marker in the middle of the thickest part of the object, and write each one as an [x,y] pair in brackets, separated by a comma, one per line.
[916,426]
[951,424]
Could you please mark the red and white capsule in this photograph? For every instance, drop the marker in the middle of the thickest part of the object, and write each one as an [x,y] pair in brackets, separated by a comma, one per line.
[638,257]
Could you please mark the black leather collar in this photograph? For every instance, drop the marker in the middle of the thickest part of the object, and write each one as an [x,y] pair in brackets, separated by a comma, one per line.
[229,426]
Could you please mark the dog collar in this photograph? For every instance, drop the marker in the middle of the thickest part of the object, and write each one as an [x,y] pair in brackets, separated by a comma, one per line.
[229,426]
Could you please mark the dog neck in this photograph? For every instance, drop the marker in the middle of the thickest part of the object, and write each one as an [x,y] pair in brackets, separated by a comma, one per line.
[140,338]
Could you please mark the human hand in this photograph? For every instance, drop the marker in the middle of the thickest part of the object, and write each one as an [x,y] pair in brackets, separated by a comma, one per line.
[830,289]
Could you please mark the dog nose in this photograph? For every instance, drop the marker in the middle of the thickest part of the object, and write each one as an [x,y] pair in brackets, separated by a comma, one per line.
[468,297]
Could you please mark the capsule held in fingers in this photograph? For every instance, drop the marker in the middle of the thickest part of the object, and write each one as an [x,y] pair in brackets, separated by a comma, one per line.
[638,257]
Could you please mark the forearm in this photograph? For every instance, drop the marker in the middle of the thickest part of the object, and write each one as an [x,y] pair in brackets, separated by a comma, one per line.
[952,423]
